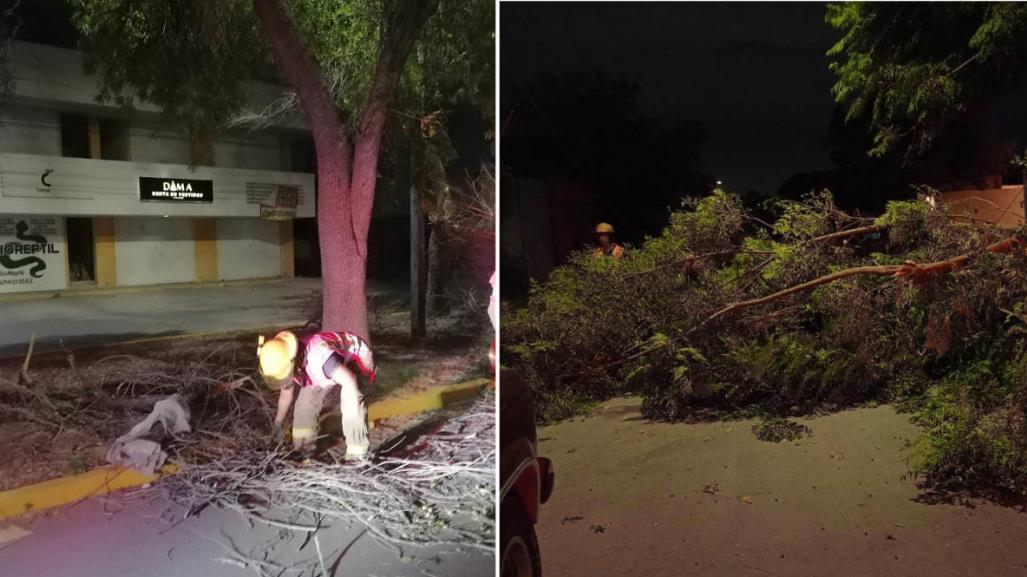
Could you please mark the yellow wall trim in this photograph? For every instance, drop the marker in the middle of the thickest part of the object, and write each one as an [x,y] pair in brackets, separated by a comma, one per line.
[288,249]
[205,233]
[105,255]
[94,138]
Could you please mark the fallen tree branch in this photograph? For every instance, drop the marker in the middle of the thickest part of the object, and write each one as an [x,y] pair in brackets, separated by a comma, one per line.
[842,234]
[917,273]
[96,388]
[848,233]
[694,258]
[829,278]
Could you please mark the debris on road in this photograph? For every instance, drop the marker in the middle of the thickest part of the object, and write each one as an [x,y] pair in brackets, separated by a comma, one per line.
[141,448]
[777,429]
[442,494]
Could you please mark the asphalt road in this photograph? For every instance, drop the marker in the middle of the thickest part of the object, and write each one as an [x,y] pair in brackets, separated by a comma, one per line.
[84,320]
[148,538]
[634,497]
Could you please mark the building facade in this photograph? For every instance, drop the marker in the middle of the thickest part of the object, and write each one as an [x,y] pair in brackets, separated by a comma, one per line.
[92,195]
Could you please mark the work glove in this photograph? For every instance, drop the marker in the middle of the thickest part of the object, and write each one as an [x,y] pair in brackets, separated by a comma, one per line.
[277,435]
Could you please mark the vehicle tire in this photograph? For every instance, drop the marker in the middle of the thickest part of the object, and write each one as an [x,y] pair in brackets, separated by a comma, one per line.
[518,544]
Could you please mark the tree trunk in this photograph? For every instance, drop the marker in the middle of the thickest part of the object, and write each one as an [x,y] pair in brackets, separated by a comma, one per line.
[346,177]
[343,260]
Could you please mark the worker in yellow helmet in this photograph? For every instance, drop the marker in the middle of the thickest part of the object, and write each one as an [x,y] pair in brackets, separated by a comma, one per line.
[604,242]
[325,360]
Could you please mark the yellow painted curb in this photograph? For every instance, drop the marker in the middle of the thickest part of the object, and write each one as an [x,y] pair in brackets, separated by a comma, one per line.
[103,480]
[73,488]
[427,401]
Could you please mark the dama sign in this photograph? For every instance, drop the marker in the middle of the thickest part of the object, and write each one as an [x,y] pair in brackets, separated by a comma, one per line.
[175,190]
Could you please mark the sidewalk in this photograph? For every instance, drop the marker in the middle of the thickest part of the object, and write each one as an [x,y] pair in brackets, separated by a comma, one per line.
[118,316]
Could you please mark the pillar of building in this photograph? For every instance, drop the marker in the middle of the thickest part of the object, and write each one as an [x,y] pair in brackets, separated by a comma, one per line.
[205,237]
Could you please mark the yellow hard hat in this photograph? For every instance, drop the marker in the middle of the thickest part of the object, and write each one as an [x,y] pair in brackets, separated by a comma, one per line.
[276,358]
[604,228]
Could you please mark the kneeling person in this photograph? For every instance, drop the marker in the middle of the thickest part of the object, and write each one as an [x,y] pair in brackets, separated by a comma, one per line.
[324,360]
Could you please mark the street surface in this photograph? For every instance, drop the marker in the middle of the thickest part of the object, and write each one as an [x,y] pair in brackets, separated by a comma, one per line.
[90,319]
[108,538]
[659,499]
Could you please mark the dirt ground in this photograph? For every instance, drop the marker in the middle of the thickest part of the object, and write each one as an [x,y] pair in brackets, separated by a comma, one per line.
[33,452]
[639,498]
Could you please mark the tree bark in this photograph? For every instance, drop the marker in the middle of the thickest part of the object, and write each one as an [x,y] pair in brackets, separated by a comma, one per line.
[346,176]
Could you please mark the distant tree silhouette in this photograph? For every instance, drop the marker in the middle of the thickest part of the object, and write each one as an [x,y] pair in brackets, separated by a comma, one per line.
[586,127]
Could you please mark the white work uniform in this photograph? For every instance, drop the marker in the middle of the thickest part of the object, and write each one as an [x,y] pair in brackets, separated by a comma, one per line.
[333,359]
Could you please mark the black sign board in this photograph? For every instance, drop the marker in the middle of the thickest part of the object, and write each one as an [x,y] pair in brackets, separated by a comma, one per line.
[175,190]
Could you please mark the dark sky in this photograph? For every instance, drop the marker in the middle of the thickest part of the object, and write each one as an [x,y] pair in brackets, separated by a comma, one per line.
[754,74]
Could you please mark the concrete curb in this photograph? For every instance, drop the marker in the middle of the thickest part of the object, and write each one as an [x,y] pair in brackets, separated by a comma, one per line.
[157,338]
[205,334]
[121,290]
[104,480]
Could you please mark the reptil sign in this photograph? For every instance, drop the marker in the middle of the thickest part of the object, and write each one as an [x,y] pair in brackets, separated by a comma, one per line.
[32,254]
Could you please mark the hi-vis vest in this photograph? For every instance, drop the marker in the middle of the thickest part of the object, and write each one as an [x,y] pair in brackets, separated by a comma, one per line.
[616,252]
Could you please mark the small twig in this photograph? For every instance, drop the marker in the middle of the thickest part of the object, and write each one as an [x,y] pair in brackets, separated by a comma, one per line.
[23,375]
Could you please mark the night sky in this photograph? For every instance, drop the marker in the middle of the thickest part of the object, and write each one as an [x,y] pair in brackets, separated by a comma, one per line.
[756,75]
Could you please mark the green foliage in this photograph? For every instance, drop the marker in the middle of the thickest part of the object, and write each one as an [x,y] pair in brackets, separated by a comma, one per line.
[975,434]
[189,58]
[563,404]
[905,220]
[911,68]
[193,58]
[806,219]
[949,350]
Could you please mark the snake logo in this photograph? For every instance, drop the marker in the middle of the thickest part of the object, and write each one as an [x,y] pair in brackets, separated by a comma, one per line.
[38,264]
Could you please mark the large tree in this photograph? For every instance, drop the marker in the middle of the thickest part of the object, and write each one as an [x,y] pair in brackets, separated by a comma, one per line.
[347,63]
[924,74]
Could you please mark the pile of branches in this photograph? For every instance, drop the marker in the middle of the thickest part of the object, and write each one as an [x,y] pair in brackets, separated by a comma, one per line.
[727,313]
[442,495]
[102,400]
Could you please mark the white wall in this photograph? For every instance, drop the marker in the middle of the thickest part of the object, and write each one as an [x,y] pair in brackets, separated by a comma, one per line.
[255,151]
[149,145]
[248,248]
[30,130]
[250,150]
[154,250]
[84,187]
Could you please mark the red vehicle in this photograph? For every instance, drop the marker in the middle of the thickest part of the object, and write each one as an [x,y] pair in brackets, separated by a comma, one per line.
[526,480]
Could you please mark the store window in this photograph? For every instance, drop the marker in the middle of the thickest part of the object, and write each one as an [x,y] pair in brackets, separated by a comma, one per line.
[75,135]
[114,139]
[81,255]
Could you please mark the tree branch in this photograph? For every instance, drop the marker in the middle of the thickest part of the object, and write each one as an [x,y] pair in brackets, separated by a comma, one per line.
[694,258]
[300,71]
[848,233]
[918,273]
[402,23]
